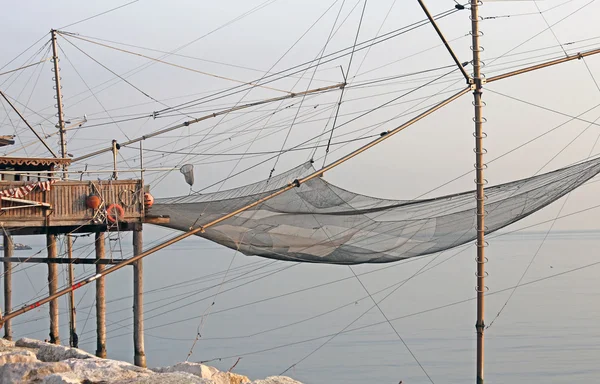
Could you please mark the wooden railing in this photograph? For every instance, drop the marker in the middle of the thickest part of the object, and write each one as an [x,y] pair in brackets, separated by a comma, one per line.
[65,203]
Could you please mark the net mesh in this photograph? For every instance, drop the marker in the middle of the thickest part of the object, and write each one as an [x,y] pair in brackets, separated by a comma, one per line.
[319,222]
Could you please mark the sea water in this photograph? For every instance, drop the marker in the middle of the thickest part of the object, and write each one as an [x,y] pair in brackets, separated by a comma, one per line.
[319,324]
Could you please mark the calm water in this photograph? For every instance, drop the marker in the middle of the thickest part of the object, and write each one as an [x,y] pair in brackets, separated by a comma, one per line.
[548,333]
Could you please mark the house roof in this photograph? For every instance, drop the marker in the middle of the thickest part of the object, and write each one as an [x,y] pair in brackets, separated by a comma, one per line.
[33,161]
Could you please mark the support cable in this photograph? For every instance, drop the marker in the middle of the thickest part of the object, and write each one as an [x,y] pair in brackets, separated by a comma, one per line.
[339,104]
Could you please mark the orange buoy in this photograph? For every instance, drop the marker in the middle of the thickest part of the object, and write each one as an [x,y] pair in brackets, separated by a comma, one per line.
[93,201]
[148,200]
[115,213]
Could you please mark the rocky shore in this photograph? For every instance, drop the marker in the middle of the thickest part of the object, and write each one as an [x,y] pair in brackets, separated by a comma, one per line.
[34,361]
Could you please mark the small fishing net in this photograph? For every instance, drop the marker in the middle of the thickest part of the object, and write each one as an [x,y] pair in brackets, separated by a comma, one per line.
[188,173]
[319,222]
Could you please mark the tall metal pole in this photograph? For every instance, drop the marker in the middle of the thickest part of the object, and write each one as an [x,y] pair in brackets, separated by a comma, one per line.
[477,86]
[73,339]
[59,106]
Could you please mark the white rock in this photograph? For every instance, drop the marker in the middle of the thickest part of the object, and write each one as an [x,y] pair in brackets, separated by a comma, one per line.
[29,343]
[169,378]
[61,378]
[229,378]
[29,372]
[276,380]
[52,352]
[6,343]
[197,369]
[105,370]
[18,356]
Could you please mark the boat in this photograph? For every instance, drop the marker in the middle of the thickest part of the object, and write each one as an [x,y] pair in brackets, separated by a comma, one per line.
[18,247]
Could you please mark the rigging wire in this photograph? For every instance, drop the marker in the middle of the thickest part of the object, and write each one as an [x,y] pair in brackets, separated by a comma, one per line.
[120,77]
[320,55]
[549,27]
[559,211]
[99,14]
[345,81]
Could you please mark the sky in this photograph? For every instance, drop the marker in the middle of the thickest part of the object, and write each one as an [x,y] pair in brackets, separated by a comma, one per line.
[225,44]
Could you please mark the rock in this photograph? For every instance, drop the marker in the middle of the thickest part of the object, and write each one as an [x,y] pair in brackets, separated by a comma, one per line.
[197,369]
[61,378]
[29,343]
[96,370]
[53,352]
[206,372]
[276,380]
[229,378]
[169,378]
[19,356]
[29,372]
[6,343]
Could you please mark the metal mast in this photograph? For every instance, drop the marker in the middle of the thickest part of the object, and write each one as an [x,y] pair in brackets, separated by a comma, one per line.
[63,151]
[59,106]
[477,86]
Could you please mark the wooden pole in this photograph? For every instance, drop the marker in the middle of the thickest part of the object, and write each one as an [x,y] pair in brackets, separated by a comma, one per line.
[53,288]
[8,252]
[138,303]
[100,300]
[73,338]
[115,151]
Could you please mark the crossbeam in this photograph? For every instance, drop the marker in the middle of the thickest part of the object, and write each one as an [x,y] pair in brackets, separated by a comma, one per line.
[44,260]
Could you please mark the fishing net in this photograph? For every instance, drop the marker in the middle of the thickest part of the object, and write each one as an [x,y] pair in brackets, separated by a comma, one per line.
[319,222]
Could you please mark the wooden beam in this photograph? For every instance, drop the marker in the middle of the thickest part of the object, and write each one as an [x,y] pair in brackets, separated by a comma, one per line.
[77,260]
[149,219]
[8,252]
[53,288]
[138,303]
[100,300]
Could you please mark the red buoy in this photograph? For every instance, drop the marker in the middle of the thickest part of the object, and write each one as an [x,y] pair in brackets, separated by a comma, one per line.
[93,202]
[148,200]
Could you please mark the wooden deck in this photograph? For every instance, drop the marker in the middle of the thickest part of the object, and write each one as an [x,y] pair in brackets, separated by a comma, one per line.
[63,209]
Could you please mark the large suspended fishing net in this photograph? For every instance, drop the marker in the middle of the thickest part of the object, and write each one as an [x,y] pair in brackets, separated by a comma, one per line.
[319,222]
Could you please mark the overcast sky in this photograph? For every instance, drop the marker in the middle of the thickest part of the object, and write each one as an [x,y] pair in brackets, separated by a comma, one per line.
[276,35]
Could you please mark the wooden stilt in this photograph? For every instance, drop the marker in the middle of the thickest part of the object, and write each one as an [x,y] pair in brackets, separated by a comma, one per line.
[138,303]
[8,252]
[73,338]
[53,288]
[100,300]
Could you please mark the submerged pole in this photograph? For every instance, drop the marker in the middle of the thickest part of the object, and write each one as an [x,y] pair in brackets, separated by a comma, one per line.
[100,300]
[138,302]
[8,252]
[52,288]
[477,86]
